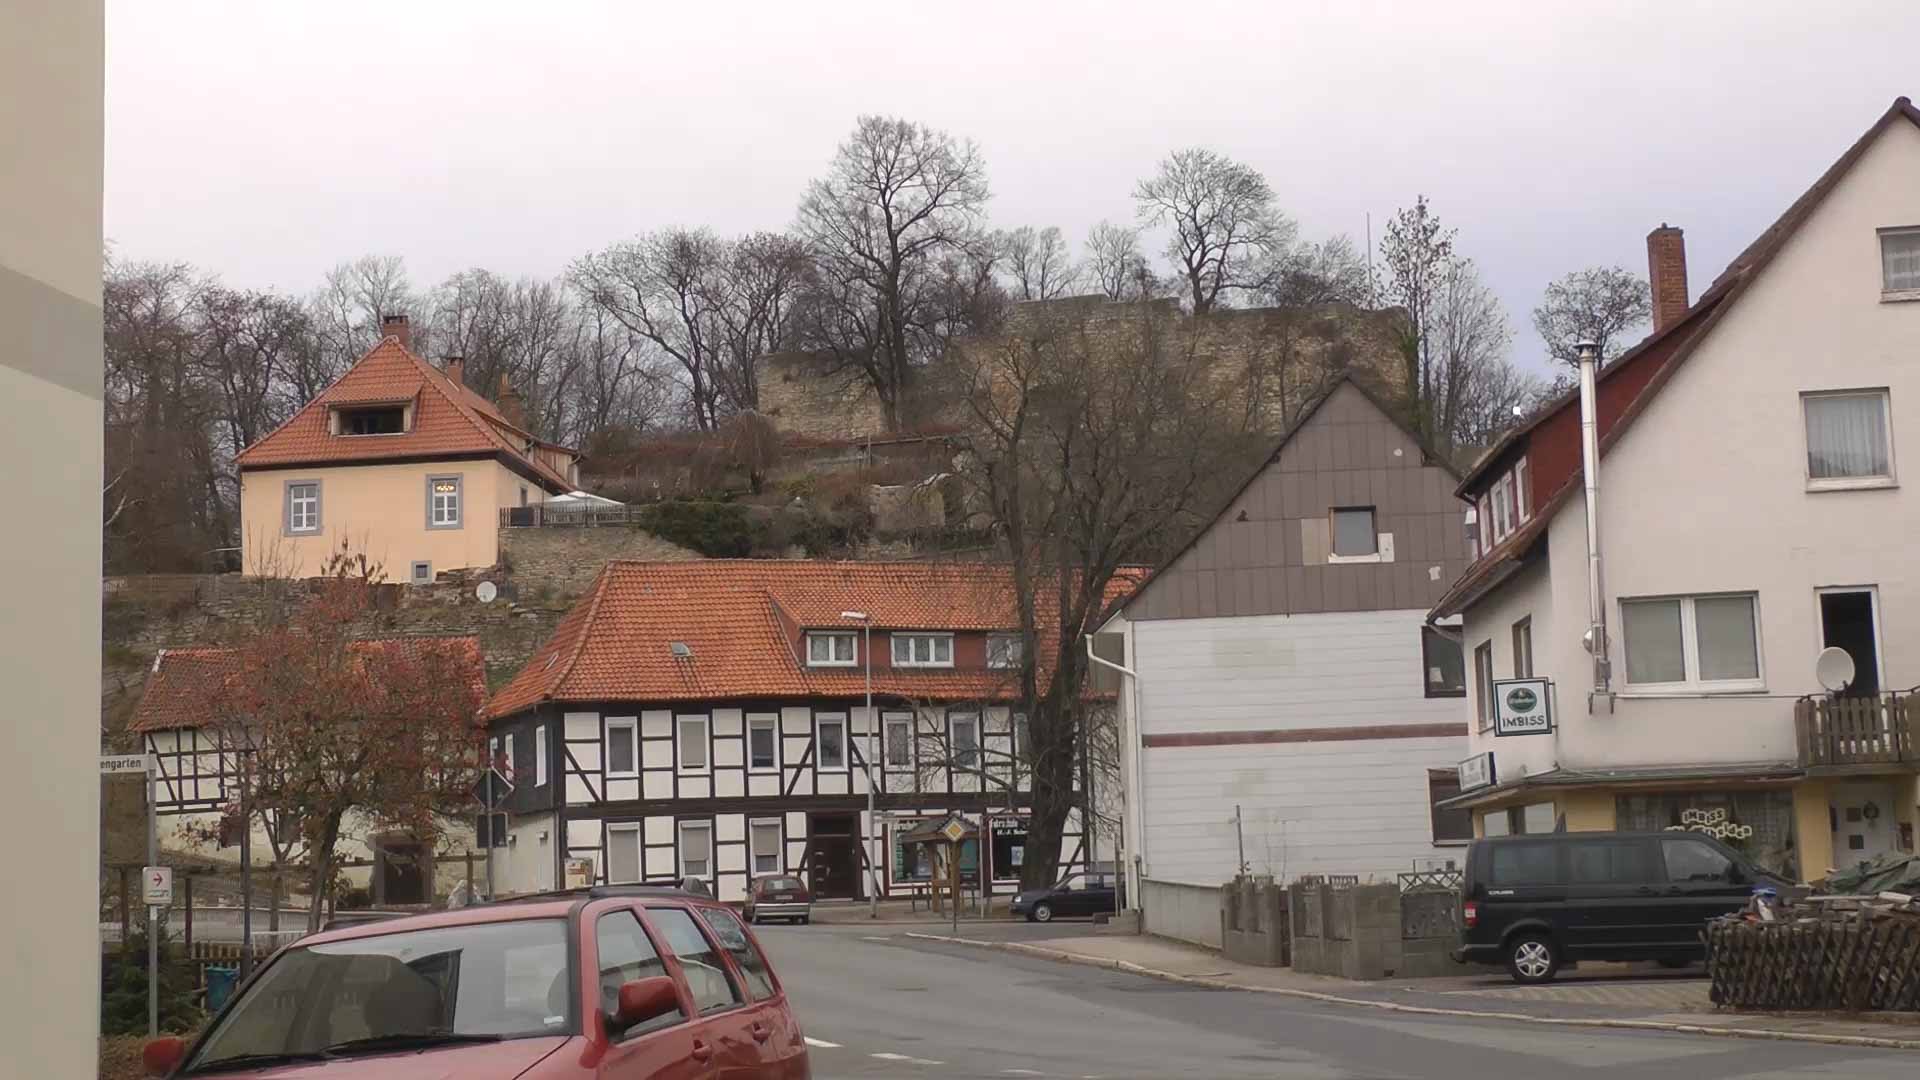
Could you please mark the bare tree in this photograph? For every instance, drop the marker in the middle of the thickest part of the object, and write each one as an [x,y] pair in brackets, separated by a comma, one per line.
[1309,275]
[513,334]
[1598,304]
[764,276]
[1416,258]
[252,346]
[661,288]
[1479,388]
[898,198]
[347,310]
[1116,264]
[1222,222]
[1036,263]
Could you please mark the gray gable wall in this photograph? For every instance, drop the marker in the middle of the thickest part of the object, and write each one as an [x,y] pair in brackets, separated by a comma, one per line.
[1348,453]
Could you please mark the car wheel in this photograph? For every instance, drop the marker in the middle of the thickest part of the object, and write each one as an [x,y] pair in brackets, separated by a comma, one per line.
[1531,959]
[1042,912]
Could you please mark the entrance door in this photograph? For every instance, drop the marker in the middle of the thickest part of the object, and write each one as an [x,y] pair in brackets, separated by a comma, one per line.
[1863,822]
[401,872]
[1847,621]
[834,856]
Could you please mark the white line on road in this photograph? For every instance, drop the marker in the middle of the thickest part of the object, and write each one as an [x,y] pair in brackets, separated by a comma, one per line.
[1020,1072]
[905,1060]
[821,1043]
[869,937]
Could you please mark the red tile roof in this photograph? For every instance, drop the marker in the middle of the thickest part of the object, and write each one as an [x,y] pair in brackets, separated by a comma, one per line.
[736,617]
[185,682]
[449,420]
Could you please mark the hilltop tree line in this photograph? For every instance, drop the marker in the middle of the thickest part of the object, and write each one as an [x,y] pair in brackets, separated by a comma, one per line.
[891,255]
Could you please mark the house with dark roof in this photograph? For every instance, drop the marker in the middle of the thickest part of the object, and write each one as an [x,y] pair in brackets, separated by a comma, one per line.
[197,762]
[1757,586]
[1291,712]
[402,461]
[710,719]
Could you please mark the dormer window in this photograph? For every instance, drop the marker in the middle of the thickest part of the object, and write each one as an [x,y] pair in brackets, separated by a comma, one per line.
[370,420]
[1005,650]
[830,648]
[923,650]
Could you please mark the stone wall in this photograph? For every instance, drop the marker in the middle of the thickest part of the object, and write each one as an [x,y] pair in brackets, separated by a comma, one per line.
[802,398]
[1372,931]
[559,562]
[1189,913]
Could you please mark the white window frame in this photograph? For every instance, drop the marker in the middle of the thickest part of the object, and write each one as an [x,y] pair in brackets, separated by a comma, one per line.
[913,641]
[770,724]
[1879,643]
[954,720]
[680,723]
[1502,495]
[631,725]
[1021,738]
[540,755]
[887,722]
[819,755]
[1522,643]
[1690,651]
[1848,483]
[853,650]
[1483,677]
[680,830]
[779,851]
[1006,652]
[457,502]
[1520,511]
[624,828]
[512,758]
[294,504]
[1887,292]
[1333,534]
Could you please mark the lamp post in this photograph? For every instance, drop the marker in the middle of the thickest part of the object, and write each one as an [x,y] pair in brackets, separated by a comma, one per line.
[873,744]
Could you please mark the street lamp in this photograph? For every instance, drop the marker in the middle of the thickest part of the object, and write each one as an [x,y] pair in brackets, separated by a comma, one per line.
[873,744]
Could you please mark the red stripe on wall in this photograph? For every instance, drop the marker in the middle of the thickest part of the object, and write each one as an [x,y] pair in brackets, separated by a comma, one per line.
[1300,735]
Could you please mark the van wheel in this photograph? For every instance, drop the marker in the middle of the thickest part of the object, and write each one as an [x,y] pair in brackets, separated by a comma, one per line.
[1531,958]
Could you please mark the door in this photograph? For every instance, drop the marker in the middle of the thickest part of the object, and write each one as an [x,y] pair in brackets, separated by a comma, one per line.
[1613,897]
[1863,826]
[1848,621]
[834,856]
[1702,884]
[667,1047]
[727,1027]
[768,1022]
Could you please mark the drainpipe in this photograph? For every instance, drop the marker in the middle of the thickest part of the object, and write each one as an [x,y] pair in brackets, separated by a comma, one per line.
[1132,793]
[1595,640]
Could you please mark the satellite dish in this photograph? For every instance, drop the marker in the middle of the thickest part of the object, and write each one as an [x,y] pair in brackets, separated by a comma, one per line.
[1834,668]
[486,592]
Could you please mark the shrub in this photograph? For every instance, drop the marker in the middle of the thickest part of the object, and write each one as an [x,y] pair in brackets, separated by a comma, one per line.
[715,529]
[123,998]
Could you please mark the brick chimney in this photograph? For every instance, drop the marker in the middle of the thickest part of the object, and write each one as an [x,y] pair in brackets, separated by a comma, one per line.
[456,369]
[513,405]
[395,326]
[1667,271]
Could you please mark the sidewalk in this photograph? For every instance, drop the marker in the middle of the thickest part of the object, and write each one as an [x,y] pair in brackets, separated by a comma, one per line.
[1624,1000]
[851,912]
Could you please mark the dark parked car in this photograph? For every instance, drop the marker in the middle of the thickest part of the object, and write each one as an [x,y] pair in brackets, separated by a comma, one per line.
[778,896]
[1534,903]
[614,982]
[1076,894]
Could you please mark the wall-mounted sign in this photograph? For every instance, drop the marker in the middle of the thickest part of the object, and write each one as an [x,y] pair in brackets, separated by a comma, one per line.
[1477,772]
[1522,707]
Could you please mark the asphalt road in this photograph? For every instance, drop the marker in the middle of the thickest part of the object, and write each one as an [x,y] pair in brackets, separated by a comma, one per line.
[876,1004]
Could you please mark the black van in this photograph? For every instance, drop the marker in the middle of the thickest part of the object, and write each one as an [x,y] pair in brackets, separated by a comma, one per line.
[1535,902]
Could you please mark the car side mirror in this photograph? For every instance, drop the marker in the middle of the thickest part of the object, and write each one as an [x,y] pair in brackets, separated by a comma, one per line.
[161,1055]
[644,999]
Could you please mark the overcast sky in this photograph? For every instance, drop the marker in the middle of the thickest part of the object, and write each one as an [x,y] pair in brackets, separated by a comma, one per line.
[267,141]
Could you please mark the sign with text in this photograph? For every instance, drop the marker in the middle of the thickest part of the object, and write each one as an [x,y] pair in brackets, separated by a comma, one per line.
[1522,707]
[156,884]
[122,763]
[1476,772]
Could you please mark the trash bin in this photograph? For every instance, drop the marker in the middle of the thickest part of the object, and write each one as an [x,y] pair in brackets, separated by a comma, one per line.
[220,983]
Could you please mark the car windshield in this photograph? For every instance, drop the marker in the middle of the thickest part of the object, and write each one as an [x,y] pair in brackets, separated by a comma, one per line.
[481,981]
[783,884]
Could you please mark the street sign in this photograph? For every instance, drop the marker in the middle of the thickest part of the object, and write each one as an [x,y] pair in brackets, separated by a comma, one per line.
[491,795]
[1477,772]
[1522,707]
[955,831]
[122,763]
[156,883]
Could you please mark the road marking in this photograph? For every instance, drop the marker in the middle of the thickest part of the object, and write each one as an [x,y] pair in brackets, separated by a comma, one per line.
[821,1043]
[1020,1072]
[869,937]
[905,1060]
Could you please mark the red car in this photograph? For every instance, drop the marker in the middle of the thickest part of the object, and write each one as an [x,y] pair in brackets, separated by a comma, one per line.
[619,982]
[778,896]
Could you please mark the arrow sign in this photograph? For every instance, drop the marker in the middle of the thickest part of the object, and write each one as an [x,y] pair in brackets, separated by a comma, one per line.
[500,788]
[157,885]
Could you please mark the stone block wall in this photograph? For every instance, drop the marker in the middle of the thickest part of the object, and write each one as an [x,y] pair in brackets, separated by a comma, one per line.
[1370,932]
[559,562]
[1189,913]
[1254,924]
[802,397]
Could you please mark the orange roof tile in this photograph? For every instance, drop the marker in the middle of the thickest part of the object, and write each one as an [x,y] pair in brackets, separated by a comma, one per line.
[735,616]
[449,420]
[185,682]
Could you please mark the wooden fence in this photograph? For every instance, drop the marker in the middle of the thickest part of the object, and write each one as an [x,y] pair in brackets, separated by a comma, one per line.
[1854,965]
[1867,730]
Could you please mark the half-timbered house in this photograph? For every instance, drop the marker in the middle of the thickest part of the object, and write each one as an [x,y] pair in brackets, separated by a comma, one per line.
[709,720]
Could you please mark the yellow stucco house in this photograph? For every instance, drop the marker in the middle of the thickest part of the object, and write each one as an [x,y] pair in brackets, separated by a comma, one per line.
[398,459]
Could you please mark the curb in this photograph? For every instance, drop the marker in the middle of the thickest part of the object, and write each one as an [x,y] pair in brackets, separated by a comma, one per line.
[1132,968]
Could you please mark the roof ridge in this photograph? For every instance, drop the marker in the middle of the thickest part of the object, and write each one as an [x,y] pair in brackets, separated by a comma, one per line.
[318,397]
[583,633]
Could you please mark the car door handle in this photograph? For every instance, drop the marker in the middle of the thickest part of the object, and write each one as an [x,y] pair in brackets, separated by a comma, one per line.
[1647,890]
[760,1031]
[701,1051]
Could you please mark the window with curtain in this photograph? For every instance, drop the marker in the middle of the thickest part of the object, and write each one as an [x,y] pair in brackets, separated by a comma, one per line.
[1847,436]
[1900,260]
[1692,642]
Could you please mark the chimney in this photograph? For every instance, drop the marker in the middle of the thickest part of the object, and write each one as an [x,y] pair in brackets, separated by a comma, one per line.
[512,404]
[1667,270]
[395,326]
[456,369]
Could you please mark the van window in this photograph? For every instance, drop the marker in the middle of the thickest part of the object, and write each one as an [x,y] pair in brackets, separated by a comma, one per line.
[1524,864]
[1695,860]
[1609,862]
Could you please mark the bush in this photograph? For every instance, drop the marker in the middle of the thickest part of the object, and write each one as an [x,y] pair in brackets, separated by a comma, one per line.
[123,998]
[714,529]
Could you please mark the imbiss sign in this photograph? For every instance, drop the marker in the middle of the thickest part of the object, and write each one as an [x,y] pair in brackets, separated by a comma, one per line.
[1522,707]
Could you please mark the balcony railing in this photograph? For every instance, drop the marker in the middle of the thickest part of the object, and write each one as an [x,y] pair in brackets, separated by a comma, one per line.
[1883,729]
[540,516]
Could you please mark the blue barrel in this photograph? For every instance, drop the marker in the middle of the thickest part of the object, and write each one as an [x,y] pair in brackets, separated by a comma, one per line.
[220,983]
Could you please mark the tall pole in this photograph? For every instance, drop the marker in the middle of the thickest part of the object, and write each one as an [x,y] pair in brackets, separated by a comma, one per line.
[492,841]
[153,919]
[246,873]
[1596,637]
[873,744]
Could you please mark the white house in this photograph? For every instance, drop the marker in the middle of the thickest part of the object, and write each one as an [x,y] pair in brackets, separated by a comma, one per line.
[1752,511]
[1290,712]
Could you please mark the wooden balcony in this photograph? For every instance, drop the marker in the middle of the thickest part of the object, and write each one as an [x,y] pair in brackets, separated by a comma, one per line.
[1858,734]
